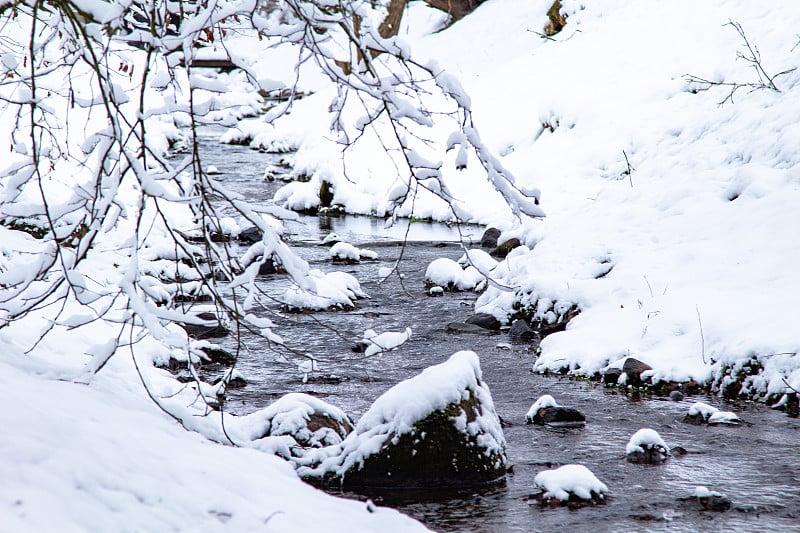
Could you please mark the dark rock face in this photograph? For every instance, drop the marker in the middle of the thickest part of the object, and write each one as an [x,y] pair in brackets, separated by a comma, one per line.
[559,417]
[484,320]
[489,238]
[206,331]
[250,235]
[434,454]
[267,267]
[612,375]
[463,327]
[633,368]
[676,396]
[715,502]
[521,332]
[504,248]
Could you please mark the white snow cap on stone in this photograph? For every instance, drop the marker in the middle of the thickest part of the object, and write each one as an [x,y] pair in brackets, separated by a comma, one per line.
[703,492]
[569,479]
[383,342]
[712,415]
[543,402]
[346,251]
[645,438]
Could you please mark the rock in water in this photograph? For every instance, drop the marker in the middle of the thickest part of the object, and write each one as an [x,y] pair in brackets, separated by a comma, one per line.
[545,411]
[646,447]
[490,236]
[505,248]
[572,485]
[633,369]
[484,320]
[521,332]
[436,430]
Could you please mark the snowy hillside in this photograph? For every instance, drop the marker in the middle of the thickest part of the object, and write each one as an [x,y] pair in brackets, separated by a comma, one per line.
[671,203]
[672,224]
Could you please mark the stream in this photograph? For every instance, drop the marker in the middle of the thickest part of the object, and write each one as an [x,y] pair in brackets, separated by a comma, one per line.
[756,466]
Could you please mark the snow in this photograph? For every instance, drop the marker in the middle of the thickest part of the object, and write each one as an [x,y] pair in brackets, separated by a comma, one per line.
[560,483]
[644,439]
[445,272]
[347,252]
[703,492]
[384,342]
[324,291]
[712,415]
[542,403]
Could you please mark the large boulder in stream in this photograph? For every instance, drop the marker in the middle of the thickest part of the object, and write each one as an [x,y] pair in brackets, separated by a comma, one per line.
[436,430]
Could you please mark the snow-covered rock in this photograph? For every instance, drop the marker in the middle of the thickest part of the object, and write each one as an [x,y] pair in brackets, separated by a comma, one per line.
[647,447]
[444,272]
[347,253]
[570,484]
[437,429]
[702,413]
[545,411]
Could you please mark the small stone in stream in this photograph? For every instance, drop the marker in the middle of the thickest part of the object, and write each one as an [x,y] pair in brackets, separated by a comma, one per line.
[633,369]
[678,450]
[484,320]
[219,356]
[489,238]
[545,411]
[676,396]
[521,332]
[711,500]
[503,249]
[612,375]
[436,291]
[463,327]
[267,267]
[646,447]
[250,235]
[359,347]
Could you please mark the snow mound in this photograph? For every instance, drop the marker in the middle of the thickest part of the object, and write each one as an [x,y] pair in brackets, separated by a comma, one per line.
[570,481]
[445,272]
[342,251]
[384,342]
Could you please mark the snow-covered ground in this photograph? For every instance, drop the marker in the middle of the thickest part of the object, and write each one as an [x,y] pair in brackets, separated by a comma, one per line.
[690,202]
[671,208]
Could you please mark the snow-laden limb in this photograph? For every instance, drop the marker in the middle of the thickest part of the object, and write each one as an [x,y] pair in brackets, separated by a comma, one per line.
[384,342]
[570,482]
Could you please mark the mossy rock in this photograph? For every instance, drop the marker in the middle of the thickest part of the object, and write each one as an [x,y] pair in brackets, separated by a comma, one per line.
[435,454]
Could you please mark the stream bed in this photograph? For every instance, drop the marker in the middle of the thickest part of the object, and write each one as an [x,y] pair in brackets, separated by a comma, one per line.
[756,466]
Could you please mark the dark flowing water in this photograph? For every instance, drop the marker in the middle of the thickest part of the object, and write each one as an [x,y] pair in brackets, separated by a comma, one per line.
[757,466]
